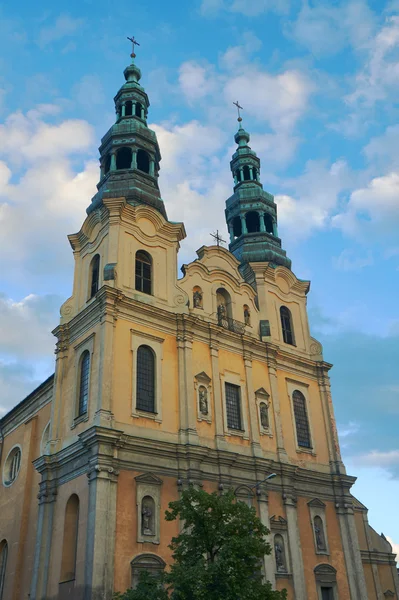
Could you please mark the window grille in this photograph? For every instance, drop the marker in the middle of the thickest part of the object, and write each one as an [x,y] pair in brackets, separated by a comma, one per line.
[143,272]
[3,566]
[84,382]
[301,420]
[286,325]
[95,275]
[233,406]
[145,399]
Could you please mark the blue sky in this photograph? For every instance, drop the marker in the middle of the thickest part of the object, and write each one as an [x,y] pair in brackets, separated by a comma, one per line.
[319,83]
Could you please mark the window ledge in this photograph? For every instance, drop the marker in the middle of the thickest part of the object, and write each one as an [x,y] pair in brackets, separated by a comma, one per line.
[266,432]
[137,414]
[237,432]
[305,451]
[323,552]
[281,575]
[81,419]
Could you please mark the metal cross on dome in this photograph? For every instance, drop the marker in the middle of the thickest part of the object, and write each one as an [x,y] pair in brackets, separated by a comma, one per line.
[218,239]
[134,43]
[238,110]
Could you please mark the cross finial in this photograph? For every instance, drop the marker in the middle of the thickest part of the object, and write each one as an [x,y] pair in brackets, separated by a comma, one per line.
[238,110]
[134,43]
[219,240]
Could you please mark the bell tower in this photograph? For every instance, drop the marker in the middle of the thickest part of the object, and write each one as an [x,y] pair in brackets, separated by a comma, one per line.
[251,213]
[129,151]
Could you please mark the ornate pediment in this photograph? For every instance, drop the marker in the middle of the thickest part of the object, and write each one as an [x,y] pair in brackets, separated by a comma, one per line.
[325,569]
[262,392]
[389,594]
[243,491]
[148,478]
[203,378]
[316,503]
[278,523]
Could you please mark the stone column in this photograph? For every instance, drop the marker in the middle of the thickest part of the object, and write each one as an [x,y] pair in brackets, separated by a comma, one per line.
[61,352]
[251,173]
[113,161]
[253,417]
[142,113]
[298,573]
[275,231]
[264,517]
[272,367]
[123,109]
[231,232]
[241,171]
[47,497]
[105,354]
[243,224]
[101,523]
[350,544]
[152,165]
[133,108]
[134,159]
[262,221]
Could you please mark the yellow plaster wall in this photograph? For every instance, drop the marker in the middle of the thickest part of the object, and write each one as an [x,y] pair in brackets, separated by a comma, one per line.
[386,577]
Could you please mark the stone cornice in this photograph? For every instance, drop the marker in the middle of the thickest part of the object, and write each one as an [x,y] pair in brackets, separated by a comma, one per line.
[375,557]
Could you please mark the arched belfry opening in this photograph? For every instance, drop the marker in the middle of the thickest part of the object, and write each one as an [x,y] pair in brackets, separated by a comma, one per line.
[143,161]
[107,164]
[247,173]
[139,110]
[237,227]
[124,158]
[268,223]
[128,108]
[253,222]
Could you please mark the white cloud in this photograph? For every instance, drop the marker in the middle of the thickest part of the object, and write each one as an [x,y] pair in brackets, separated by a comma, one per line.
[89,92]
[64,26]
[349,261]
[196,81]
[380,76]
[249,9]
[385,460]
[382,150]
[317,193]
[42,195]
[395,547]
[236,57]
[372,210]
[326,29]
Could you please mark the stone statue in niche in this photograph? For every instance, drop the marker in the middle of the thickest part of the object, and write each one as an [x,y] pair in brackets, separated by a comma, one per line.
[264,415]
[147,526]
[247,315]
[319,534]
[279,553]
[197,299]
[203,400]
[222,313]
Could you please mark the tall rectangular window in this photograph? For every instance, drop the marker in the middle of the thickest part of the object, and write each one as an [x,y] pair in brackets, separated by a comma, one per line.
[233,406]
[145,379]
[301,420]
[327,593]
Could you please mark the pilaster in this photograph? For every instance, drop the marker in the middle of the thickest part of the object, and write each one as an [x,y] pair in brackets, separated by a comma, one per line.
[298,573]
[101,524]
[323,379]
[217,395]
[253,418]
[187,406]
[263,502]
[272,367]
[350,544]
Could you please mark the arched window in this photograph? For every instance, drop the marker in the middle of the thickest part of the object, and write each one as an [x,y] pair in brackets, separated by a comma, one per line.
[268,223]
[143,161]
[301,420]
[143,272]
[286,325]
[107,164]
[84,375]
[128,108]
[146,562]
[94,275]
[233,406]
[70,541]
[247,173]
[124,158]
[145,395]
[237,227]
[253,223]
[319,534]
[3,566]
[139,109]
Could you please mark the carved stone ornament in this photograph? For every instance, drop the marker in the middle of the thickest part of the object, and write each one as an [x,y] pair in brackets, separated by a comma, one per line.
[203,400]
[197,299]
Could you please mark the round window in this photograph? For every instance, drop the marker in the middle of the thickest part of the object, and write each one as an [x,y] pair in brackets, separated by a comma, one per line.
[12,466]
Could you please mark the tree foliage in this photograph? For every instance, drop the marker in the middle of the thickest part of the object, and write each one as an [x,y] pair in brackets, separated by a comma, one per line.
[149,587]
[219,552]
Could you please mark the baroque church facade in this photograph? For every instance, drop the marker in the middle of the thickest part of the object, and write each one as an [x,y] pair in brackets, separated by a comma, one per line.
[212,380]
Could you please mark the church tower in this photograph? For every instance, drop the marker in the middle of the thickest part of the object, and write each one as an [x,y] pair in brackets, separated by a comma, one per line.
[211,379]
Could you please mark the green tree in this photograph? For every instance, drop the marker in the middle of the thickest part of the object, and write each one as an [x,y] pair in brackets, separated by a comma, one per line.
[219,552]
[149,587]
